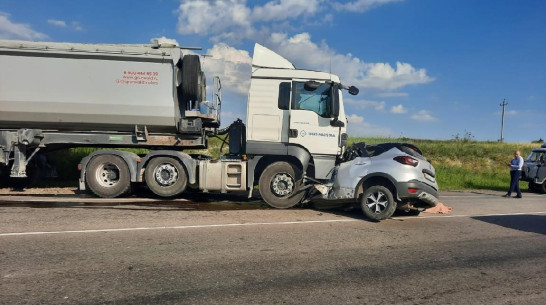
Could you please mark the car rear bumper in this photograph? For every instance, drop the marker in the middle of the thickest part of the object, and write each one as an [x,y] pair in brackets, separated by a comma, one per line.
[417,190]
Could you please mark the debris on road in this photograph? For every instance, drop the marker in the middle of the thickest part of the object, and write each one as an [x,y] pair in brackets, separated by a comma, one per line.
[440,208]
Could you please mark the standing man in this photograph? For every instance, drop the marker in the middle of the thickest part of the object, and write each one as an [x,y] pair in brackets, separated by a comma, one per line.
[515,173]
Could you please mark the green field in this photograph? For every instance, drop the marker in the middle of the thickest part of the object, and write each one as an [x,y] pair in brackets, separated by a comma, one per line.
[461,164]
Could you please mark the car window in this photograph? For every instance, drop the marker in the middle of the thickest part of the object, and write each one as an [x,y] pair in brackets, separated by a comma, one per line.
[537,156]
[412,150]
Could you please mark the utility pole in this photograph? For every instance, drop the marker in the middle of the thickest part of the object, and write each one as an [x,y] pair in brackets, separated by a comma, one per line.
[504,103]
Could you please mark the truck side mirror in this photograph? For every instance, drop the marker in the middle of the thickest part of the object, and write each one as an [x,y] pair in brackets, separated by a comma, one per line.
[337,123]
[353,90]
[334,93]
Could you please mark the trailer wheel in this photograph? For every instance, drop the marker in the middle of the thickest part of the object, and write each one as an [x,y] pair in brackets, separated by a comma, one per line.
[191,76]
[108,176]
[280,186]
[377,203]
[166,177]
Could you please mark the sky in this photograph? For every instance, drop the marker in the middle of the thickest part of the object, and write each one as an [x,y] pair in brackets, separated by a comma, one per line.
[426,69]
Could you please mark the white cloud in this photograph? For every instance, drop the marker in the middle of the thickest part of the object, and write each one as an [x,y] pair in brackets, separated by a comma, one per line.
[392,94]
[284,9]
[398,109]
[58,23]
[423,116]
[213,17]
[353,118]
[232,65]
[10,30]
[361,5]
[164,40]
[76,26]
[358,126]
[384,76]
[363,104]
[236,20]
[304,53]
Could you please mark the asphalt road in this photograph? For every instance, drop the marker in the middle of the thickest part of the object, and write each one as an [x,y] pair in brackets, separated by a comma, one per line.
[488,250]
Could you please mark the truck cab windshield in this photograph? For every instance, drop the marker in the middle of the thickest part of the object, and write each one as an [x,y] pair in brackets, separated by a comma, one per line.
[317,100]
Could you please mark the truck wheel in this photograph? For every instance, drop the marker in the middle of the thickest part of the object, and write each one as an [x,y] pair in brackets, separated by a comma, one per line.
[279,185]
[166,177]
[191,76]
[108,176]
[377,203]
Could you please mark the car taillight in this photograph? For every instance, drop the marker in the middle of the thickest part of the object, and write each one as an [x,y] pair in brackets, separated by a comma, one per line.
[406,160]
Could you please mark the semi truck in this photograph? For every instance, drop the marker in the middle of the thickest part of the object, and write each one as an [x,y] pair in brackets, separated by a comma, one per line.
[293,147]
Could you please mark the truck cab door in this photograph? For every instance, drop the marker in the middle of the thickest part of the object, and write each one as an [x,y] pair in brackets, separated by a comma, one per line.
[310,123]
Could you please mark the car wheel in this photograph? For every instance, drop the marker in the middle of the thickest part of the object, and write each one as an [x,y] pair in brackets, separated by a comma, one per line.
[533,187]
[108,176]
[280,186]
[165,177]
[377,203]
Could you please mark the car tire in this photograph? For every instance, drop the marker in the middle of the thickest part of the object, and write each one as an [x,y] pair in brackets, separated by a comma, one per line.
[108,176]
[377,203]
[166,177]
[280,185]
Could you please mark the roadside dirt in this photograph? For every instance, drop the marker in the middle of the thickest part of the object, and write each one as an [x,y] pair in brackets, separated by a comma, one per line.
[39,191]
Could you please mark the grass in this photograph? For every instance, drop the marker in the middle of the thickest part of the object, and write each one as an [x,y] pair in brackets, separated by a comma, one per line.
[460,164]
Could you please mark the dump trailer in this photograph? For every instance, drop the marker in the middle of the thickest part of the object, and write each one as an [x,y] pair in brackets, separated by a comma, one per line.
[293,145]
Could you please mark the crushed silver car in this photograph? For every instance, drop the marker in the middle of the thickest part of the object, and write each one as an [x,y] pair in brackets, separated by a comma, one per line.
[386,177]
[534,170]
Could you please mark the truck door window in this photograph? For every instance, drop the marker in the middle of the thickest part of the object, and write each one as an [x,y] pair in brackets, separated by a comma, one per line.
[284,96]
[318,100]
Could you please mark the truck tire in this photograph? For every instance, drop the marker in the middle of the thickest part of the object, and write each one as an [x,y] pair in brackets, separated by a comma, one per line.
[191,76]
[280,185]
[108,176]
[377,203]
[166,176]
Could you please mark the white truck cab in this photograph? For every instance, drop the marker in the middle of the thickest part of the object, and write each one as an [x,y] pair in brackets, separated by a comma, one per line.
[296,109]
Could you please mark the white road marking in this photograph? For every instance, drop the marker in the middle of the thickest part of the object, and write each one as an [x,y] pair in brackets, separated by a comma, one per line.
[253,224]
[180,227]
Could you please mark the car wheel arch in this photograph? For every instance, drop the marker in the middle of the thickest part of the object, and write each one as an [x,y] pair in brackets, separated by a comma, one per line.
[376,179]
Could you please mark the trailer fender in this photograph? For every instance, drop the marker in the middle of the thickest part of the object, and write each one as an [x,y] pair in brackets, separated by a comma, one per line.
[186,160]
[130,158]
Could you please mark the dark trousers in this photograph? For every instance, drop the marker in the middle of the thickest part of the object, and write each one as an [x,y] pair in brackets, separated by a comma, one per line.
[514,182]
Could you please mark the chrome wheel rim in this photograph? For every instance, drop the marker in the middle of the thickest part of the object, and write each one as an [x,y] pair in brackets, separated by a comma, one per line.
[377,202]
[282,184]
[107,175]
[166,174]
